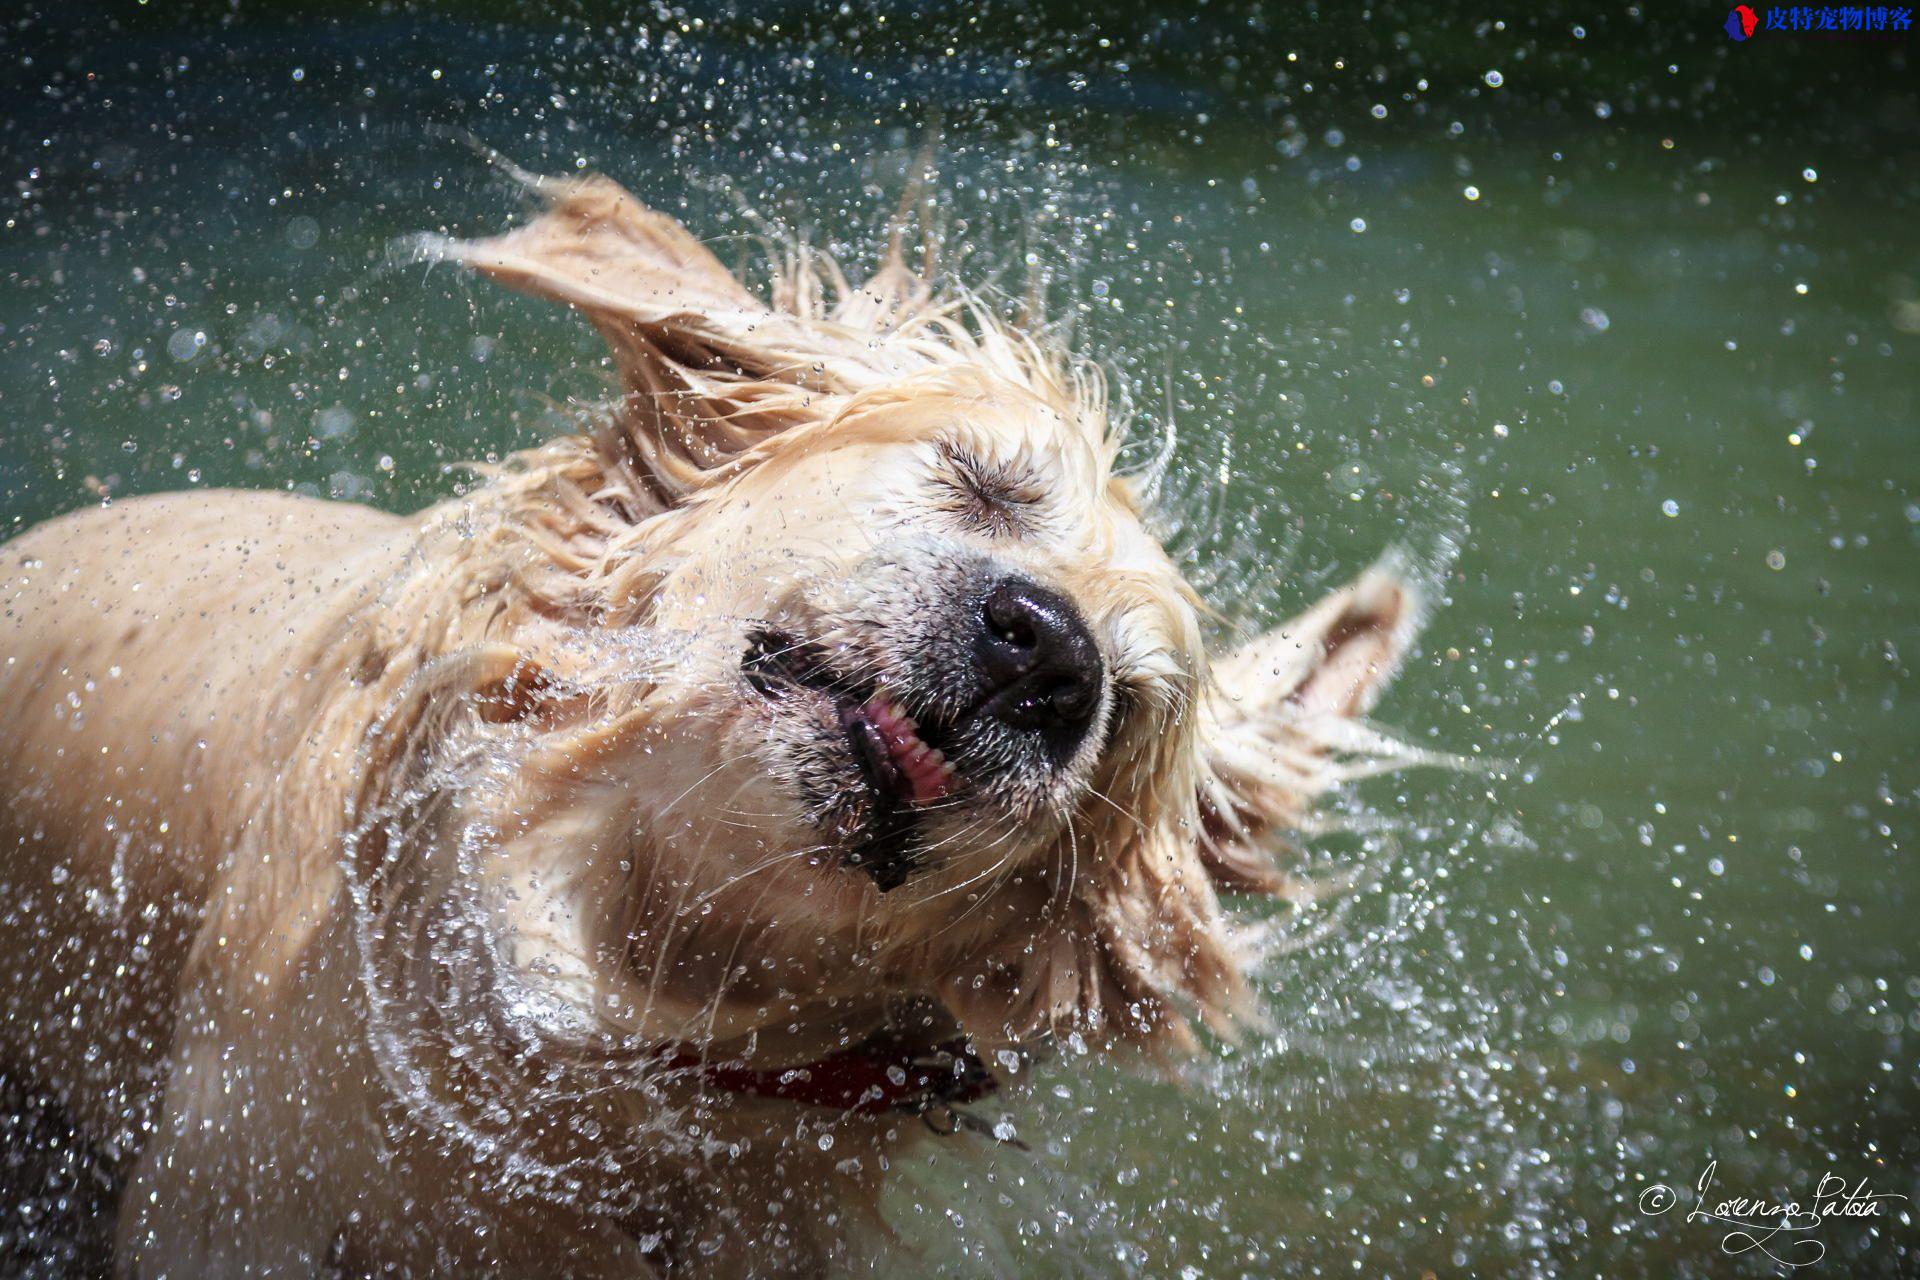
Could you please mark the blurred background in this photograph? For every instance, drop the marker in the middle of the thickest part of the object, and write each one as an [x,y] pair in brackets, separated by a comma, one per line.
[1607,320]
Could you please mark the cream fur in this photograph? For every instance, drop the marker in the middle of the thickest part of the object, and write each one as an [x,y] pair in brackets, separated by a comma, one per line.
[366,862]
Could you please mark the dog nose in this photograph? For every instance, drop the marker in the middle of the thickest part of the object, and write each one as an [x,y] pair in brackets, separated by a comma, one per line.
[1042,666]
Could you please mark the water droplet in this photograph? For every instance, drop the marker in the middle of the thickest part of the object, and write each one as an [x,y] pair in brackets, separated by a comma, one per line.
[333,423]
[186,344]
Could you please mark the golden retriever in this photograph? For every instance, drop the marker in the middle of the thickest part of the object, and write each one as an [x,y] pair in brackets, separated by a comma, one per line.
[606,871]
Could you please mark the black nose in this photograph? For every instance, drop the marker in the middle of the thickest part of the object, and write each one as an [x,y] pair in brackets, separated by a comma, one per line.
[1041,664]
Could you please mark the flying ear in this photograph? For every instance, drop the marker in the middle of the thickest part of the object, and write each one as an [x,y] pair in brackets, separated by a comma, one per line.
[1285,724]
[709,369]
[1334,659]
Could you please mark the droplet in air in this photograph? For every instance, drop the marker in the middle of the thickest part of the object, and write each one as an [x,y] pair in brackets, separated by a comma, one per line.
[186,344]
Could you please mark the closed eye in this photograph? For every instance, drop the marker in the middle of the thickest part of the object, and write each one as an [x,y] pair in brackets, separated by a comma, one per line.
[991,497]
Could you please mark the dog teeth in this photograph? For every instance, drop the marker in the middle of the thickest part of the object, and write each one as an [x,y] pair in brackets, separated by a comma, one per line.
[929,773]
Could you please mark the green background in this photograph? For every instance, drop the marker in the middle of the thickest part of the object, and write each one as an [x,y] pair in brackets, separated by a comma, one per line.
[1643,409]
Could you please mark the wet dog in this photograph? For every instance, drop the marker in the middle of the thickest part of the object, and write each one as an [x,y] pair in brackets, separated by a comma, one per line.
[603,872]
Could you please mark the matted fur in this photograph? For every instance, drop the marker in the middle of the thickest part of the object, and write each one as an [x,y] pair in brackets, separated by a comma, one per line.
[454,825]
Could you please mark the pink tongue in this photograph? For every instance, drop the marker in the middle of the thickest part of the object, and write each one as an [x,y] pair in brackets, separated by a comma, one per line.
[926,775]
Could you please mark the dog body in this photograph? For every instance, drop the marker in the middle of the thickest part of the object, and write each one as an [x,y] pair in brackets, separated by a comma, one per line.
[510,887]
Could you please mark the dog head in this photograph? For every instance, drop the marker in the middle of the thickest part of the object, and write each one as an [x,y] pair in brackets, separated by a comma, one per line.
[949,616]
[937,710]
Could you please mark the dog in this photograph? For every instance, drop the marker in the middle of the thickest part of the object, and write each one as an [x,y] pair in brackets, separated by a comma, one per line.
[608,871]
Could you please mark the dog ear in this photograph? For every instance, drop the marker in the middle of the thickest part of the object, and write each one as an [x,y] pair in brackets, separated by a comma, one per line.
[1284,724]
[709,369]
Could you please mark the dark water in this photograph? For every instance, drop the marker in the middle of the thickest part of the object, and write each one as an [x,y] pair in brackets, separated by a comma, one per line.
[1628,359]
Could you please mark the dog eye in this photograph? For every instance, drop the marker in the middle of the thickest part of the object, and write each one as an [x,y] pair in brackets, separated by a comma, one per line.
[992,497]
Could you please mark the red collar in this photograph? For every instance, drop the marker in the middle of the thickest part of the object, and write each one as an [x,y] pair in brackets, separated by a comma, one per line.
[872,1079]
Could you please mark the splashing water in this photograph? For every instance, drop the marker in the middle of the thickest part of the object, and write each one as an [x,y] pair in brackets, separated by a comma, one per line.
[1667,552]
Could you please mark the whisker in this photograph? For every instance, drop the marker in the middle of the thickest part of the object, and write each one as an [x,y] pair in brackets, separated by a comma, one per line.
[1117,807]
[783,856]
[697,782]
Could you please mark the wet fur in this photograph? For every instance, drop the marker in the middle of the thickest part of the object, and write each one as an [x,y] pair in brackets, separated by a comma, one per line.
[360,866]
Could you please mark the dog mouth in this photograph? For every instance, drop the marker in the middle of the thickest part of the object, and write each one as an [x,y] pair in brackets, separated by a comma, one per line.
[900,760]
[894,757]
